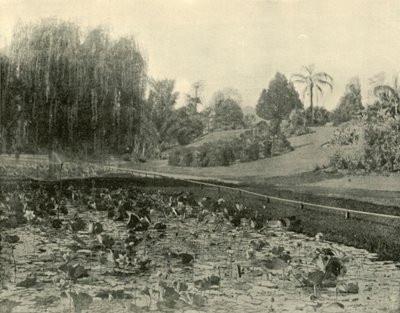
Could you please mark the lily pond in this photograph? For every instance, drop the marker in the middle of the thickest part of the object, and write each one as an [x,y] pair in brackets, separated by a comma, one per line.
[126,250]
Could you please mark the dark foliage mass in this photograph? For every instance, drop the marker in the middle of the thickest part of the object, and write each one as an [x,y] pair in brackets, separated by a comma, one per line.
[252,145]
[61,89]
[350,104]
[278,100]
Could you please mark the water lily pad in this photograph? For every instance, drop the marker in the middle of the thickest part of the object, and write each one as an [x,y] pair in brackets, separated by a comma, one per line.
[11,238]
[28,282]
[7,306]
[333,307]
[81,301]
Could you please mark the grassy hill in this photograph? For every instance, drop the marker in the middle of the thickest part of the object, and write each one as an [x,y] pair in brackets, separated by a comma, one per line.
[294,171]
[308,154]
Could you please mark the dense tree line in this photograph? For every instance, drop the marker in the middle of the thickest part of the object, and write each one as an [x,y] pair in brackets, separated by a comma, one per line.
[59,88]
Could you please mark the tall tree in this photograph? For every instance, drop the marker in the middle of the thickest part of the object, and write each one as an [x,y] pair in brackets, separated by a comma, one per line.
[195,100]
[314,83]
[278,100]
[350,104]
[161,104]
[77,92]
[227,111]
[276,103]
[389,97]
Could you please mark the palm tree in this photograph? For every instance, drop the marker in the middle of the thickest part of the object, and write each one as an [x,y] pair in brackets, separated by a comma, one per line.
[314,83]
[389,97]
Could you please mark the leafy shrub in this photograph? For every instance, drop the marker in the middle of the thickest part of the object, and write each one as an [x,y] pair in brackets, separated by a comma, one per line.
[250,146]
[296,125]
[321,116]
[281,144]
[186,157]
[348,134]
[173,158]
[371,145]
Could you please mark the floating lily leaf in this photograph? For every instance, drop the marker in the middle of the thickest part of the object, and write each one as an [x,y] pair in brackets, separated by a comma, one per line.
[333,307]
[106,240]
[186,258]
[95,228]
[74,270]
[45,301]
[81,301]
[6,306]
[348,288]
[278,250]
[56,223]
[335,267]
[180,286]
[159,226]
[193,299]
[138,309]
[123,261]
[79,240]
[134,221]
[143,264]
[321,262]
[146,291]
[78,224]
[168,294]
[115,294]
[133,240]
[274,264]
[28,282]
[340,255]
[109,258]
[207,283]
[258,244]
[166,305]
[240,285]
[11,238]
[316,278]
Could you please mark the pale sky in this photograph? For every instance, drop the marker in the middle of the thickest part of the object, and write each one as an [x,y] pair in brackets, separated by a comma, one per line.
[240,43]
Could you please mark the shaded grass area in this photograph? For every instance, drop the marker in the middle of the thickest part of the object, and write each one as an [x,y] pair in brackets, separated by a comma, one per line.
[336,201]
[298,179]
[377,235]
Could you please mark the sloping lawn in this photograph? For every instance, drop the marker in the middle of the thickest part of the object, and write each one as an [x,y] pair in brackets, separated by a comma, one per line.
[308,154]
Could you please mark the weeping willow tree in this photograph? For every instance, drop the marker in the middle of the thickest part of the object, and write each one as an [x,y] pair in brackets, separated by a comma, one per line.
[70,91]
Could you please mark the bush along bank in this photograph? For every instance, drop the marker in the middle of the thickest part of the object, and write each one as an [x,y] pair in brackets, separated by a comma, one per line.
[250,146]
[369,145]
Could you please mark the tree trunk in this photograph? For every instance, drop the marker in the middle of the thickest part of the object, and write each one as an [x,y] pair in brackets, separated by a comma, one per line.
[311,105]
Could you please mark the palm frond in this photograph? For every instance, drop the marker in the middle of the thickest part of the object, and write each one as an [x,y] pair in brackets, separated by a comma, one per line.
[309,69]
[319,89]
[385,90]
[324,76]
[324,83]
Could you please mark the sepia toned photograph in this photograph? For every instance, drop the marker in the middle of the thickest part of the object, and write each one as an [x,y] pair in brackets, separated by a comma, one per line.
[199,156]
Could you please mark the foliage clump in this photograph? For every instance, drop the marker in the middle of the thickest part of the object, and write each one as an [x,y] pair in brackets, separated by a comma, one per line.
[371,145]
[350,104]
[252,145]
